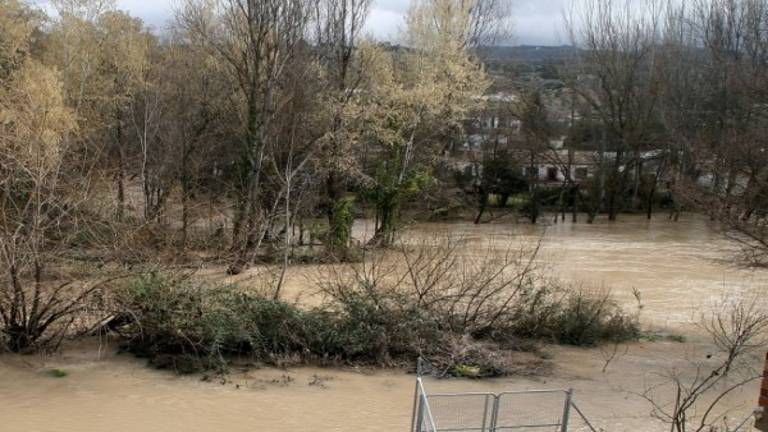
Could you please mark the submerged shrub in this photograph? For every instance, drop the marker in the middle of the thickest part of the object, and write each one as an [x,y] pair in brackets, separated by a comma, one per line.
[589,319]
[464,316]
[174,319]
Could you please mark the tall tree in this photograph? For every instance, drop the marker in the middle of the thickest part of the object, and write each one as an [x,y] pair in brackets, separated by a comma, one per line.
[123,61]
[537,131]
[256,40]
[36,207]
[618,79]
[196,126]
[418,93]
[339,26]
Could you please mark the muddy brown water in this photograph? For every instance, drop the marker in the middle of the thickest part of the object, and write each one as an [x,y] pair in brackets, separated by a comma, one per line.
[680,269]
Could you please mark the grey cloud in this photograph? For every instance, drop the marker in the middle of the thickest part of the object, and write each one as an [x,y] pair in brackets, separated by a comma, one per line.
[535,21]
[396,6]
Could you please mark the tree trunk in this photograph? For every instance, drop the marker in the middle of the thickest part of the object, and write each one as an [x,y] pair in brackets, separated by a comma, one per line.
[483,204]
[248,211]
[185,195]
[120,167]
[636,187]
[288,237]
[533,180]
[387,213]
[575,207]
[339,226]
[615,189]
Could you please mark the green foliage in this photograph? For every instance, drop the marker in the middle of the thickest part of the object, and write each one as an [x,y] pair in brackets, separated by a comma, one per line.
[587,320]
[390,192]
[187,328]
[569,317]
[466,371]
[677,338]
[340,229]
[57,373]
[518,201]
[178,319]
[662,336]
[500,176]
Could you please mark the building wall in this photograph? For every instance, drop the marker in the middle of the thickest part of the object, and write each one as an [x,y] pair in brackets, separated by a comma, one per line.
[577,173]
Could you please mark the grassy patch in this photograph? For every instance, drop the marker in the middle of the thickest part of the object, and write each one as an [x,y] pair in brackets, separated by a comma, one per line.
[664,337]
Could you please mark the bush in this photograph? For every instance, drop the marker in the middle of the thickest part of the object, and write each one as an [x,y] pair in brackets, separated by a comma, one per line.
[586,319]
[339,234]
[175,322]
[445,303]
[176,318]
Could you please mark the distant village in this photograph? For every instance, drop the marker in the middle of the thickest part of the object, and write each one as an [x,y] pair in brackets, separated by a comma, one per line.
[564,152]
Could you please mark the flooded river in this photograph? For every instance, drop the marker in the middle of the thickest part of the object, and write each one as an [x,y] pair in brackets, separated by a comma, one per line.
[678,267]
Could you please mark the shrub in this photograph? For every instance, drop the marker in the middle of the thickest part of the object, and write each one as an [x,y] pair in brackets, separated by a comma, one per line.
[426,298]
[339,234]
[57,373]
[588,319]
[175,317]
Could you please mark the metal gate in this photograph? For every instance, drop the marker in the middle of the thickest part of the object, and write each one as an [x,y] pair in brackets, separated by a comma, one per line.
[491,412]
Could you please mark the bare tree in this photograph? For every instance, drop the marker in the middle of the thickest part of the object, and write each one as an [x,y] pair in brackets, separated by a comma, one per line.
[490,21]
[197,125]
[738,330]
[537,131]
[618,79]
[42,196]
[256,40]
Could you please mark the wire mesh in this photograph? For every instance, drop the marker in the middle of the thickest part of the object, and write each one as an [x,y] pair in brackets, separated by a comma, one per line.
[530,411]
[425,422]
[467,412]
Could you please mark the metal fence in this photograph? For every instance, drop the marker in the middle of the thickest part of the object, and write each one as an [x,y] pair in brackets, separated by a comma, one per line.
[514,411]
[523,411]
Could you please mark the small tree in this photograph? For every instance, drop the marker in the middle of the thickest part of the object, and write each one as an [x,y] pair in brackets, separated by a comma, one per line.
[537,131]
[738,329]
[37,206]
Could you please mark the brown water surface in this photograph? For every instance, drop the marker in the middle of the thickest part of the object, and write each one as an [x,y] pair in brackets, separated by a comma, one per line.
[679,268]
[119,393]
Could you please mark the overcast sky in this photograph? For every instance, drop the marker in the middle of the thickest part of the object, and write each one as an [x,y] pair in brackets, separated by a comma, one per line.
[537,22]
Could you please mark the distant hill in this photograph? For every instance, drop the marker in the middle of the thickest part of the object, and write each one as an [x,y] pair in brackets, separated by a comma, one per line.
[528,53]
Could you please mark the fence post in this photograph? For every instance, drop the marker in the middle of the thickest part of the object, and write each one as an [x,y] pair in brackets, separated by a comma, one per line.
[494,414]
[485,414]
[420,414]
[415,407]
[566,410]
